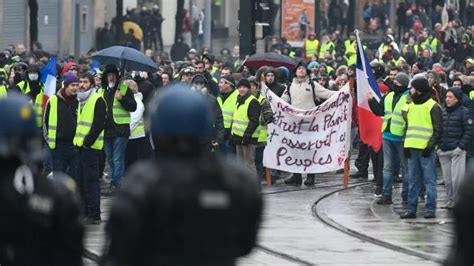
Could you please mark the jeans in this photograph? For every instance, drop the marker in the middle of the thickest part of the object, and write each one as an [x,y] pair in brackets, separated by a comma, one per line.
[115,150]
[65,159]
[88,181]
[259,161]
[392,158]
[227,148]
[421,172]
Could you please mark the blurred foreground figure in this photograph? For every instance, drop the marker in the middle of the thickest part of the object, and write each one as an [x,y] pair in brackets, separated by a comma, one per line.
[186,207]
[462,252]
[39,218]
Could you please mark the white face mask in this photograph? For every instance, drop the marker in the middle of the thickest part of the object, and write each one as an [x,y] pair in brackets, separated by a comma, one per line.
[451,76]
[111,85]
[33,77]
[144,75]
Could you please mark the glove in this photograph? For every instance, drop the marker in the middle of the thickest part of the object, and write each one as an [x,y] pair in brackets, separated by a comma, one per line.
[246,140]
[406,152]
[457,151]
[426,152]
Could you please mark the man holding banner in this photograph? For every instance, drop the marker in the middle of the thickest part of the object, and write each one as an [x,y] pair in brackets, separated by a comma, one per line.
[302,136]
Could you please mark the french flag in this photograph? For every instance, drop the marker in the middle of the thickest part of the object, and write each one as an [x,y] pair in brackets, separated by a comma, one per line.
[370,125]
[48,78]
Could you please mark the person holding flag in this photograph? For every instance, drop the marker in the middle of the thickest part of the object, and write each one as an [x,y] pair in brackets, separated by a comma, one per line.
[393,128]
[369,123]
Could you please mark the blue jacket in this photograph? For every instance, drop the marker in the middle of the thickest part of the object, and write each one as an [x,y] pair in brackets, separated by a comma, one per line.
[458,128]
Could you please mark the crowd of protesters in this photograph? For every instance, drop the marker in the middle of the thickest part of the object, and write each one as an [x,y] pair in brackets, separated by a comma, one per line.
[97,114]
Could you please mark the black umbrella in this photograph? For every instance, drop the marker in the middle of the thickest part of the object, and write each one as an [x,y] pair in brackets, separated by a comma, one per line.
[269,59]
[126,58]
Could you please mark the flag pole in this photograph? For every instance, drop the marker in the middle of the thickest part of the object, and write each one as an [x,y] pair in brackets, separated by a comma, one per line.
[347,162]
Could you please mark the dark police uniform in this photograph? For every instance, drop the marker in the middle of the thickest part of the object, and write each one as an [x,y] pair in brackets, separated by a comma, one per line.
[184,211]
[39,219]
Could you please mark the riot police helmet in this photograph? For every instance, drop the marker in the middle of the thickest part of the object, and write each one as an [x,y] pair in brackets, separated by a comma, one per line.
[179,111]
[19,134]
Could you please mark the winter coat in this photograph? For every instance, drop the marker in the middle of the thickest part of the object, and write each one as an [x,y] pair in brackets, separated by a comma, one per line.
[253,114]
[218,201]
[458,128]
[128,102]
[300,94]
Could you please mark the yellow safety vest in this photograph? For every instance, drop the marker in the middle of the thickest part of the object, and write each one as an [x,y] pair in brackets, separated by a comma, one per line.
[350,45]
[262,137]
[433,45]
[471,95]
[120,115]
[37,104]
[415,47]
[3,91]
[85,119]
[52,121]
[419,125]
[228,108]
[240,120]
[311,47]
[140,129]
[397,123]
[327,47]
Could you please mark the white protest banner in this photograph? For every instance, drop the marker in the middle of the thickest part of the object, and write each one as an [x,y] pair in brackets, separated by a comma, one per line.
[309,141]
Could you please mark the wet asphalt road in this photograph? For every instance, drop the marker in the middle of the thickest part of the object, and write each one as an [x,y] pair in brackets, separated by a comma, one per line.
[296,231]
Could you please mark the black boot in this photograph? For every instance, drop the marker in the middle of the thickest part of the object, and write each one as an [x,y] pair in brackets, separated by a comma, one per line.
[358,175]
[294,180]
[309,180]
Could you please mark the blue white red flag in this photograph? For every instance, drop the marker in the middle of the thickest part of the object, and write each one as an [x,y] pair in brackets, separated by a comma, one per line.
[370,125]
[48,77]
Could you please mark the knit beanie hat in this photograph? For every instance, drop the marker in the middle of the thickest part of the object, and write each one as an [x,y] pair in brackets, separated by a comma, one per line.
[403,79]
[244,82]
[230,79]
[421,85]
[69,78]
[457,93]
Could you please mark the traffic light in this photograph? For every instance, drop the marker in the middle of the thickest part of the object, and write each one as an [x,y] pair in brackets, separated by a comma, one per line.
[247,13]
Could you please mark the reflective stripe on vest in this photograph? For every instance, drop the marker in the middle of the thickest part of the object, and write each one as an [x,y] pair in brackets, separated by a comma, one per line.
[471,95]
[85,119]
[240,120]
[120,115]
[311,47]
[140,129]
[3,91]
[397,123]
[419,125]
[262,137]
[52,121]
[228,108]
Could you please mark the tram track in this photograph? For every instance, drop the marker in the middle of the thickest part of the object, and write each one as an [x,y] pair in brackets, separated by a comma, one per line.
[325,220]
[90,255]
[359,235]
